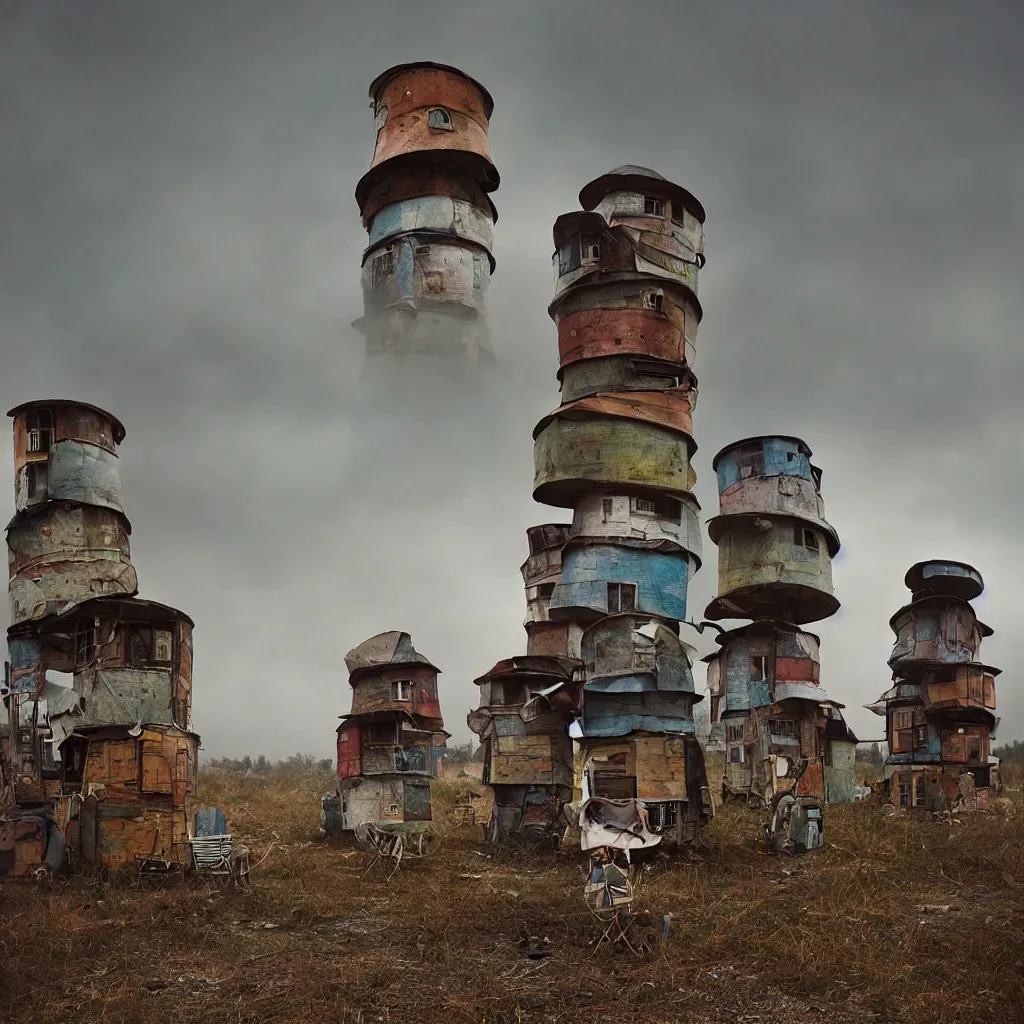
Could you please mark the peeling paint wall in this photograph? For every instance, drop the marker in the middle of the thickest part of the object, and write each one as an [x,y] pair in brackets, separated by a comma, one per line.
[426,208]
[939,711]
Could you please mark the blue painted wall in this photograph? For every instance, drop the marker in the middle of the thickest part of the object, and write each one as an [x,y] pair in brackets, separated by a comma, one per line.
[782,457]
[660,579]
[622,713]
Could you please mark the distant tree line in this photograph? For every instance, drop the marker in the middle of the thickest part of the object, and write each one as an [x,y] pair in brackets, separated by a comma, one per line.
[1010,753]
[263,766]
[870,754]
[461,753]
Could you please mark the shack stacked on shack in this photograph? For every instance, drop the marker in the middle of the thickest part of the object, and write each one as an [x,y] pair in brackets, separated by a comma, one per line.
[940,710]
[610,589]
[426,206]
[390,743]
[775,550]
[106,764]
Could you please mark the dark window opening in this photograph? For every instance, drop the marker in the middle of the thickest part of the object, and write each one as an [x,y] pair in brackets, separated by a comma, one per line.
[86,644]
[545,590]
[678,214]
[380,734]
[401,689]
[653,300]
[734,733]
[654,207]
[441,119]
[736,755]
[39,427]
[919,794]
[661,815]
[621,597]
[49,760]
[805,538]
[663,508]
[73,758]
[383,266]
[612,786]
[606,509]
[784,727]
[422,250]
[973,748]
[904,793]
[140,646]
[36,480]
[944,675]
[590,250]
[759,670]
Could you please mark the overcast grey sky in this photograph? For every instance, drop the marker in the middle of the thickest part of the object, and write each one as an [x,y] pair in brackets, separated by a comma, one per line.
[180,245]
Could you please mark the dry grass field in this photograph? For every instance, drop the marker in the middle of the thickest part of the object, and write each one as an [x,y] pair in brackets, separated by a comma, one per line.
[898,919]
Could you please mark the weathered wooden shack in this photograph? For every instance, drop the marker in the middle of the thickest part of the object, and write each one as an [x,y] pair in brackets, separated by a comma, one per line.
[67,544]
[940,710]
[390,743]
[618,453]
[107,763]
[526,704]
[764,686]
[425,203]
[784,739]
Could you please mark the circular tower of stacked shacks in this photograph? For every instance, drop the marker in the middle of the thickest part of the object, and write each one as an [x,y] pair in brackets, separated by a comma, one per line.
[783,736]
[103,765]
[390,743]
[425,203]
[611,588]
[940,710]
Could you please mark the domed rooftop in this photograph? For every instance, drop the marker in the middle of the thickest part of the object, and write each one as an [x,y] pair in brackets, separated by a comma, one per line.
[634,178]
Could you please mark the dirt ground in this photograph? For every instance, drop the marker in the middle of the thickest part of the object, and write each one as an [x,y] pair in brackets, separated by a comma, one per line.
[898,919]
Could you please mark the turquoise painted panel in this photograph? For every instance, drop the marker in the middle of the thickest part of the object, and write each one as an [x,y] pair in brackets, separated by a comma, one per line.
[622,714]
[660,579]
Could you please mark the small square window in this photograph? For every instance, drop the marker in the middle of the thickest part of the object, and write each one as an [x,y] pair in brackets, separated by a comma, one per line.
[441,119]
[39,427]
[758,668]
[646,505]
[621,597]
[383,266]
[590,250]
[783,727]
[422,250]
[653,300]
[805,538]
[654,207]
[401,689]
[736,755]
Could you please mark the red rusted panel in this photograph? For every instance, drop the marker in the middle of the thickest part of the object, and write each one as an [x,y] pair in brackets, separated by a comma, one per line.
[408,97]
[812,781]
[349,765]
[593,333]
[795,670]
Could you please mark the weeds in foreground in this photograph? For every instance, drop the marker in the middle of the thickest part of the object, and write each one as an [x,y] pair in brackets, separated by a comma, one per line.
[899,919]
